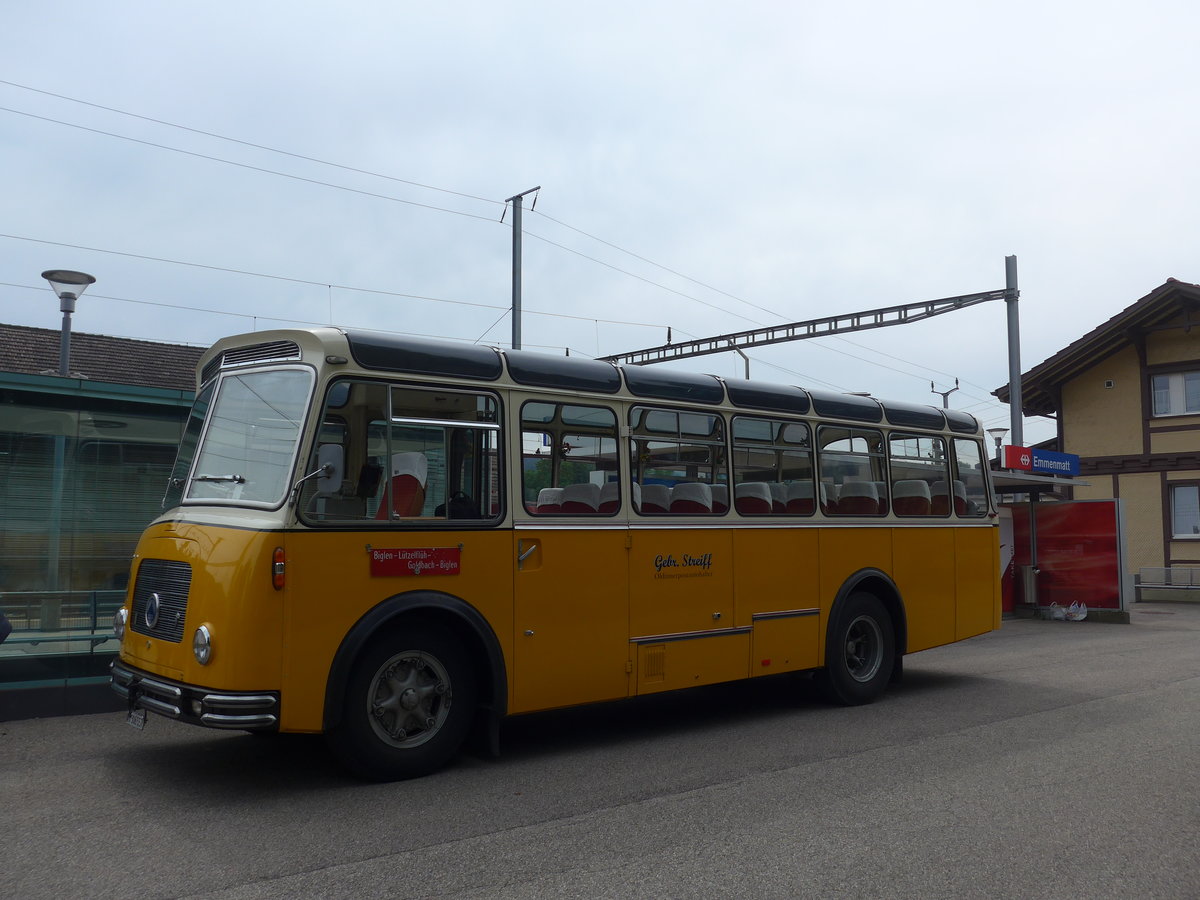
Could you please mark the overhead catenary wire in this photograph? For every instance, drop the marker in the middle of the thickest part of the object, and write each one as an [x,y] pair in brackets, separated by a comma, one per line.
[245,143]
[258,317]
[372,194]
[357,170]
[317,283]
[411,183]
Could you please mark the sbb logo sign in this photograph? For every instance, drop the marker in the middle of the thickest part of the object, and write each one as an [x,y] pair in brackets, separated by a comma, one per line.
[1018,458]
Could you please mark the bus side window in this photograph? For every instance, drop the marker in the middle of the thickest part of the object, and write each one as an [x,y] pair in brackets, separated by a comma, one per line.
[409,454]
[678,464]
[569,460]
[349,405]
[853,471]
[918,467]
[968,484]
[446,446]
[772,468]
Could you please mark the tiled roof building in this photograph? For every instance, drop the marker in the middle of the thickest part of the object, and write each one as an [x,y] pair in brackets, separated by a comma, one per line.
[1127,399]
[97,357]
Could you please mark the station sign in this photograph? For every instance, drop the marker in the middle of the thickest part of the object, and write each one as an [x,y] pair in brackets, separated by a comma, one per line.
[1041,462]
[1019,458]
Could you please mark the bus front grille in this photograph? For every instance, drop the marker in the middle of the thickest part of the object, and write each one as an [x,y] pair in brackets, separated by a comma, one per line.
[160,598]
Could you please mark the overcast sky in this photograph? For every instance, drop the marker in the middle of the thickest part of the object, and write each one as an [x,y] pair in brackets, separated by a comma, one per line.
[703,168]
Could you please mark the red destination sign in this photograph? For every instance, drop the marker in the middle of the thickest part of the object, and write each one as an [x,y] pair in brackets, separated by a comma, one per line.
[415,561]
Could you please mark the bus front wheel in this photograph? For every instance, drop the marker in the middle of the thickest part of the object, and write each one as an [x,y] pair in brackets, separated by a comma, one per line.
[408,706]
[860,651]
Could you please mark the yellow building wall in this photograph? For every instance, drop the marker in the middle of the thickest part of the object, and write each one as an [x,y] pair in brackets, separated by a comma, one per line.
[1142,496]
[1176,441]
[1098,487]
[1164,347]
[1100,421]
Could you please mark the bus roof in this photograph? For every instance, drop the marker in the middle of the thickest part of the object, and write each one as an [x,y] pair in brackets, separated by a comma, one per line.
[387,352]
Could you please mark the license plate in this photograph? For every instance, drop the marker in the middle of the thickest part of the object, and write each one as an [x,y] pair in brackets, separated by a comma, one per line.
[137,718]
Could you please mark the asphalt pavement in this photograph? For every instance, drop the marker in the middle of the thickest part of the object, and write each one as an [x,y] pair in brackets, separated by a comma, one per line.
[1048,759]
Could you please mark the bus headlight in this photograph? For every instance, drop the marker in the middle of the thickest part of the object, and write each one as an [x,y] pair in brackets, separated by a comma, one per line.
[120,617]
[202,645]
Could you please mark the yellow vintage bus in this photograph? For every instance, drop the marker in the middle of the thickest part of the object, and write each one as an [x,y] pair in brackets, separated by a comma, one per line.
[400,542]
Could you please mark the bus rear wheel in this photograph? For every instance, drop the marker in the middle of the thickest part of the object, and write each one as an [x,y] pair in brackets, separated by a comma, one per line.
[860,651]
[408,706]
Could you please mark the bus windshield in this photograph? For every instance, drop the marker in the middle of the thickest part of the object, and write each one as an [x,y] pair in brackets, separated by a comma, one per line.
[248,450]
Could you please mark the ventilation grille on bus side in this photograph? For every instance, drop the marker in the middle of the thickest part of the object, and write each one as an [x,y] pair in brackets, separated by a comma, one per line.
[160,598]
[272,351]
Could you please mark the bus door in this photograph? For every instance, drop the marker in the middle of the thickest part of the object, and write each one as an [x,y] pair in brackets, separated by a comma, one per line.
[571,614]
[681,622]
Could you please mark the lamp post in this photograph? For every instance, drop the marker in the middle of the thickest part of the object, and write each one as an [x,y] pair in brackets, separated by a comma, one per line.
[68,286]
[997,434]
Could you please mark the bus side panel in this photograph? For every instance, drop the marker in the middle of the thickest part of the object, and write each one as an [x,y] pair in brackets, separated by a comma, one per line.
[978,560]
[778,571]
[785,645]
[330,586]
[671,665]
[680,580]
[925,575]
[845,551]
[571,641]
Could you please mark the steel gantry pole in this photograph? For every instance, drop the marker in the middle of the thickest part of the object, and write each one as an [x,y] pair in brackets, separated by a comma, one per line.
[1011,297]
[516,200]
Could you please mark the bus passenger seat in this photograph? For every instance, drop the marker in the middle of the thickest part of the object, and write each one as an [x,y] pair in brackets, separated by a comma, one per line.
[801,498]
[656,499]
[610,497]
[881,492]
[778,497]
[752,498]
[691,498]
[581,498]
[911,497]
[407,486]
[720,498]
[960,498]
[858,498]
[940,503]
[549,501]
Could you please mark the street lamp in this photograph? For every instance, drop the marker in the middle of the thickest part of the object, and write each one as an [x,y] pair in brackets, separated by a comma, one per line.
[997,434]
[68,286]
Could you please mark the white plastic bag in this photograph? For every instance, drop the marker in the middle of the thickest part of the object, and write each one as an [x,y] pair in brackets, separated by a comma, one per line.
[1077,612]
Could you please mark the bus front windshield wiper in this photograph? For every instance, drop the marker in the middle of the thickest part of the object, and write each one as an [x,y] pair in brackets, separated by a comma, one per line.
[236,479]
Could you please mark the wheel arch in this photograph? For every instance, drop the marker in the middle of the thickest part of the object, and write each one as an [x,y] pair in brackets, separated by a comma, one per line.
[881,585]
[427,607]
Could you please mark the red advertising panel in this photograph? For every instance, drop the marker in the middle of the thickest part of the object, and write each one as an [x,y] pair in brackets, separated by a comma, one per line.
[1078,552]
[404,561]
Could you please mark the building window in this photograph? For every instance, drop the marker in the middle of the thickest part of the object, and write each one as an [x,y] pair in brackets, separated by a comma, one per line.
[1185,510]
[1176,394]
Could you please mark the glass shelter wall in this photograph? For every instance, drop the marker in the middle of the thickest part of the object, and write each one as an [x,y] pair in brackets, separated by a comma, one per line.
[83,470]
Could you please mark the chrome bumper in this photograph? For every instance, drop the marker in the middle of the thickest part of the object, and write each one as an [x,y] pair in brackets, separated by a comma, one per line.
[257,711]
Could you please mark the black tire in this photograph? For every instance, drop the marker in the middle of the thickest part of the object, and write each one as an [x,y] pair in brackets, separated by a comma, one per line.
[409,703]
[860,651]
